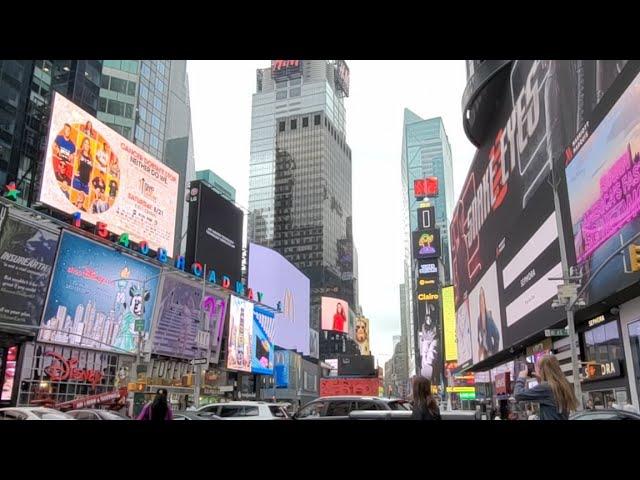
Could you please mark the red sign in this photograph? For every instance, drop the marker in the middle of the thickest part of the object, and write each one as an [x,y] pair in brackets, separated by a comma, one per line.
[62,369]
[333,387]
[285,68]
[92,400]
[426,187]
[503,383]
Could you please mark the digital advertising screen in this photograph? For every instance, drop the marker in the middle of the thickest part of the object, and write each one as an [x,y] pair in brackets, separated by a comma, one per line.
[91,169]
[426,243]
[99,298]
[262,352]
[426,218]
[281,69]
[214,238]
[427,335]
[179,314]
[335,315]
[449,324]
[362,335]
[27,254]
[282,283]
[240,334]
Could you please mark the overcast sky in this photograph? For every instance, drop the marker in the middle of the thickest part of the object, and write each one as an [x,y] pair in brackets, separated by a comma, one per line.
[221,94]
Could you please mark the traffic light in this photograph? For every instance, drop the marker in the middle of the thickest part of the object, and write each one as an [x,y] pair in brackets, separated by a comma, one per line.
[634,257]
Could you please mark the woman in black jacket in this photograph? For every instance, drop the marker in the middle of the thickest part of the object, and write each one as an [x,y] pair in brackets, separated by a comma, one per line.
[425,406]
[554,393]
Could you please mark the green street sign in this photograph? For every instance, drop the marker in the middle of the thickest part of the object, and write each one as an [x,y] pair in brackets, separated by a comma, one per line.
[556,332]
[139,325]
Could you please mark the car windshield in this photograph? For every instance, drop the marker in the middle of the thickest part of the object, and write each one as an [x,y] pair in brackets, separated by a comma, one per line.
[278,411]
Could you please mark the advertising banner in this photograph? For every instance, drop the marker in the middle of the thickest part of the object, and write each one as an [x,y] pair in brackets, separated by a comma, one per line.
[333,387]
[314,343]
[99,298]
[428,268]
[262,354]
[282,283]
[179,315]
[449,325]
[426,243]
[342,76]
[427,335]
[215,232]
[27,254]
[91,169]
[335,315]
[240,334]
[281,69]
[362,335]
[426,218]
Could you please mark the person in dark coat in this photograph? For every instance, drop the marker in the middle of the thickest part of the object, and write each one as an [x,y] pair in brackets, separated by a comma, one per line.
[159,409]
[425,406]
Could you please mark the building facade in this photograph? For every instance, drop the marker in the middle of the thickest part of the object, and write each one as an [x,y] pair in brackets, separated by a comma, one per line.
[218,184]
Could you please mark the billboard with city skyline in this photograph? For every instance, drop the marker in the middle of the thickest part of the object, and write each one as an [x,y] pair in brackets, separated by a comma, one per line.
[99,298]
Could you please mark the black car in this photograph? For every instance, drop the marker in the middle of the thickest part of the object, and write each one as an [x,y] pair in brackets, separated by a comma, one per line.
[96,414]
[339,408]
[608,414]
[195,415]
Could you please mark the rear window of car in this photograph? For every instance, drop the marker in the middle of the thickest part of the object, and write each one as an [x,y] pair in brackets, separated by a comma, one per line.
[278,412]
[231,411]
[366,405]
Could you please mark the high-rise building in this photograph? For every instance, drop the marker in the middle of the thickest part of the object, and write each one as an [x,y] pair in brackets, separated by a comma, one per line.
[218,184]
[300,171]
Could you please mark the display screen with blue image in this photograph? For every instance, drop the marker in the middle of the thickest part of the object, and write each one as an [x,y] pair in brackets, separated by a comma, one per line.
[97,296]
[262,355]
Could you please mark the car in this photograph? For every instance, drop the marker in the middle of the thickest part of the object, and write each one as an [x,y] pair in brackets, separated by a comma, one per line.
[194,415]
[247,410]
[96,414]
[339,408]
[605,414]
[33,413]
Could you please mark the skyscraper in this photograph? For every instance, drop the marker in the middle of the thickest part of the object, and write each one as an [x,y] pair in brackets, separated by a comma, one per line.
[300,172]
[425,153]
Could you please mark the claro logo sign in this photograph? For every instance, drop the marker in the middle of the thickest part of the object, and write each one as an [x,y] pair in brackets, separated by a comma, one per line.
[428,297]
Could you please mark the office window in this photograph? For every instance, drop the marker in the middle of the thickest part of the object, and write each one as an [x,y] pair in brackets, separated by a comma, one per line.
[131,88]
[281,95]
[128,110]
[102,105]
[295,92]
[294,124]
[144,92]
[115,107]
[145,71]
[157,103]
[305,122]
[104,81]
[126,131]
[281,126]
[316,120]
[118,85]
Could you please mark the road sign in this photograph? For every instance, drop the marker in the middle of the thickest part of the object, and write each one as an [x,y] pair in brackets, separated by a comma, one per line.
[139,324]
[199,361]
[556,332]
[568,290]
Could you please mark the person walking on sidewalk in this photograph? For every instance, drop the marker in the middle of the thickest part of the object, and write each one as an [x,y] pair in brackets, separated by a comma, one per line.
[425,406]
[159,409]
[554,393]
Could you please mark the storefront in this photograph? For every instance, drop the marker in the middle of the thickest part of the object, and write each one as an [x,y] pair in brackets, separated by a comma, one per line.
[604,378]
[176,376]
[630,329]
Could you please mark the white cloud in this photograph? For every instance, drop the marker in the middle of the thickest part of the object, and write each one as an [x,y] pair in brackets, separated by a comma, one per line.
[221,93]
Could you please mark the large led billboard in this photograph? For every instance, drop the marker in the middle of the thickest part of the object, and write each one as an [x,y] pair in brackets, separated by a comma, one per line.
[603,184]
[27,254]
[362,335]
[214,236]
[91,169]
[426,243]
[427,334]
[180,312]
[240,334]
[282,283]
[281,69]
[99,298]
[335,315]
[449,324]
[262,352]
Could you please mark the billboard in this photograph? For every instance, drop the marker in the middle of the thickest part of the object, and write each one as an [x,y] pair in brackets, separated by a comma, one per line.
[214,236]
[425,187]
[603,184]
[240,334]
[356,366]
[426,218]
[428,268]
[345,255]
[27,254]
[342,76]
[427,335]
[179,314]
[91,169]
[286,69]
[99,298]
[335,315]
[282,283]
[449,324]
[333,387]
[314,343]
[362,335]
[262,353]
[426,243]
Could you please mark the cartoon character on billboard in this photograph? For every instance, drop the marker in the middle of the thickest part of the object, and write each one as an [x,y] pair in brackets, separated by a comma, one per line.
[428,344]
[488,333]
[126,338]
[425,241]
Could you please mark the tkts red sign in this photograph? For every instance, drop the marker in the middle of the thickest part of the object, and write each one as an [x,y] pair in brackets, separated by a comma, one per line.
[284,64]
[62,369]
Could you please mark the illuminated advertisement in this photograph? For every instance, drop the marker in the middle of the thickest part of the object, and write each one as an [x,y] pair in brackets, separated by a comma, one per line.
[342,76]
[425,187]
[314,343]
[335,315]
[262,353]
[27,254]
[426,243]
[91,169]
[427,335]
[282,284]
[286,69]
[99,298]
[603,183]
[426,218]
[9,373]
[240,334]
[362,335]
[333,387]
[179,314]
[449,324]
[428,268]
[463,335]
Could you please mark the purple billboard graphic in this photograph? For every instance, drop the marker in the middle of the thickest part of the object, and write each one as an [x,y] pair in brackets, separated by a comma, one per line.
[282,283]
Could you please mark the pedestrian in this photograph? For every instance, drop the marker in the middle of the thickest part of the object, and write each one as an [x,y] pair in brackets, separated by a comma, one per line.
[191,406]
[425,406]
[553,393]
[159,409]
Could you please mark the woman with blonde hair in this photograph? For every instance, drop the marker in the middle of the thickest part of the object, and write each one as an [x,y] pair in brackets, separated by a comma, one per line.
[553,393]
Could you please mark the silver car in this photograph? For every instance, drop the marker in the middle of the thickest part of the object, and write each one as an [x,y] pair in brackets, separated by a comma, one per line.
[32,413]
[246,411]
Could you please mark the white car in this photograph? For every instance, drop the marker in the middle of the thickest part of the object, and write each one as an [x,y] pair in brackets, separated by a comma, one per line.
[33,413]
[247,411]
